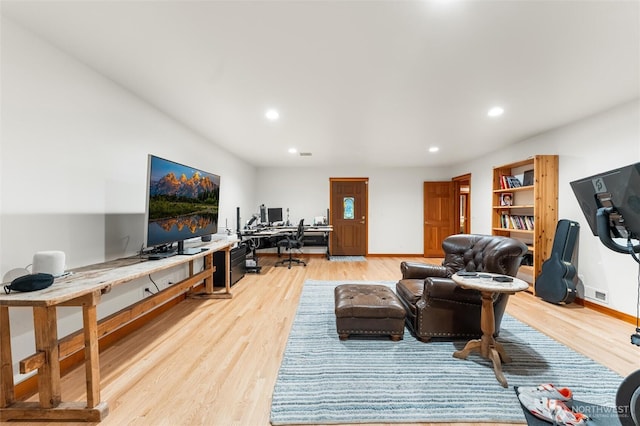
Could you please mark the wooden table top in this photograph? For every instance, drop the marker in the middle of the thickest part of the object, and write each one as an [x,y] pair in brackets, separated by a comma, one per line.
[484,282]
[101,276]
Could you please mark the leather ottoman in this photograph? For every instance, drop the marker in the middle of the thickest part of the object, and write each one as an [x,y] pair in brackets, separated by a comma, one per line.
[368,309]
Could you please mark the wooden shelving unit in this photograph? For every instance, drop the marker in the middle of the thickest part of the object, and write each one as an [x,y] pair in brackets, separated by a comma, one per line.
[533,214]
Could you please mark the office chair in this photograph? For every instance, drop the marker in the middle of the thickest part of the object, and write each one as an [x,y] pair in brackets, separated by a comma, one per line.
[291,243]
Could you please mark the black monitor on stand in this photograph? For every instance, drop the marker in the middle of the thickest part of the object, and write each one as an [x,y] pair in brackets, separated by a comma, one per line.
[274,214]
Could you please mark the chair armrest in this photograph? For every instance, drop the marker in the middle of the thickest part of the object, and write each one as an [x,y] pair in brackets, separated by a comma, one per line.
[447,289]
[417,270]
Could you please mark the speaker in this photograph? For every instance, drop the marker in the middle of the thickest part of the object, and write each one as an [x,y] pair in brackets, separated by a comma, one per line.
[49,262]
[238,227]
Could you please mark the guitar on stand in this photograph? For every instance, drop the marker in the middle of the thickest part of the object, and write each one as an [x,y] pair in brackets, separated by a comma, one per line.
[557,281]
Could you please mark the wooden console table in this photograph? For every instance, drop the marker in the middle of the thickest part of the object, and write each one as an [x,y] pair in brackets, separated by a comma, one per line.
[83,288]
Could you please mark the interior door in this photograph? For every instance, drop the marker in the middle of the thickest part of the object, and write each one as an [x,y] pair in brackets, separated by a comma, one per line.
[440,216]
[349,216]
[463,198]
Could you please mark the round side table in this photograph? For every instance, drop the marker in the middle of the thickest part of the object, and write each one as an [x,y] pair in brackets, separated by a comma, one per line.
[487,346]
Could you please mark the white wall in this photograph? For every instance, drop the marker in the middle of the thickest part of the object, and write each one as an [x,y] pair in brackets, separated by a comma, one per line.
[73,169]
[395,200]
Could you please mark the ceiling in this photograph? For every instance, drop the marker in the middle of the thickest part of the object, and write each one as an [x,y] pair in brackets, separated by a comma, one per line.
[371,83]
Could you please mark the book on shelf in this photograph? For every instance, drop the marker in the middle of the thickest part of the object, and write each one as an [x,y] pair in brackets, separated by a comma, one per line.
[508,182]
[513,182]
[519,222]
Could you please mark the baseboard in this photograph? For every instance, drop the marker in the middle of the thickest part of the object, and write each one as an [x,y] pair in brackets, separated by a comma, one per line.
[395,255]
[607,311]
[286,254]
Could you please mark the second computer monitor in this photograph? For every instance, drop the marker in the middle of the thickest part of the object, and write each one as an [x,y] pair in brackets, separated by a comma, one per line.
[275,214]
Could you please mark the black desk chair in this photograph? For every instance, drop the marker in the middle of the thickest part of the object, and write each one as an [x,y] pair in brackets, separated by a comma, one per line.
[292,242]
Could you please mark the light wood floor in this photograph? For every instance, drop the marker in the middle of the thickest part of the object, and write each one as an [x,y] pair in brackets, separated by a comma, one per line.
[215,362]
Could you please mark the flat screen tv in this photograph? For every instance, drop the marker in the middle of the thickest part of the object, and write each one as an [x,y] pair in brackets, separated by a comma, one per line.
[182,203]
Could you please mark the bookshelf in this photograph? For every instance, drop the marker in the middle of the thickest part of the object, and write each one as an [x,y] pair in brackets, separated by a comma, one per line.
[525,207]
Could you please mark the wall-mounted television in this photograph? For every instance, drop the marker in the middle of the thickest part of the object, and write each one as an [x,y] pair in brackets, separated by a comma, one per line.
[182,203]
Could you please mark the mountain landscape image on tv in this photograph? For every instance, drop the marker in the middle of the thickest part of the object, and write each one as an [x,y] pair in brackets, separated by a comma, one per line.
[182,202]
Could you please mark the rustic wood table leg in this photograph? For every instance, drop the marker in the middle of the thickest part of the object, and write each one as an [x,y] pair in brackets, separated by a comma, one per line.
[7,396]
[209,292]
[500,349]
[91,354]
[227,266]
[46,333]
[471,346]
[226,294]
[208,265]
[494,356]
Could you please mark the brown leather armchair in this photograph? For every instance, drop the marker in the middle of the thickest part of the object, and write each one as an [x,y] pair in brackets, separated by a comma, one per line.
[436,306]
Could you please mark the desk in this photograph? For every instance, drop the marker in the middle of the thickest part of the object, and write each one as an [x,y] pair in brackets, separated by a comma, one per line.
[83,288]
[487,345]
[281,231]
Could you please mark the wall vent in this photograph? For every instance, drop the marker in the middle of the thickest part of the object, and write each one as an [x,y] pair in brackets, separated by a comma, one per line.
[596,294]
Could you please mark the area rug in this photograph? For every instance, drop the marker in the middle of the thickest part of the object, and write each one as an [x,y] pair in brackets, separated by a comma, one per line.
[347,259]
[374,380]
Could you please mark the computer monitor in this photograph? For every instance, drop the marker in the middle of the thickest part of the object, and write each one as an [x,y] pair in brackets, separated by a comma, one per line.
[275,214]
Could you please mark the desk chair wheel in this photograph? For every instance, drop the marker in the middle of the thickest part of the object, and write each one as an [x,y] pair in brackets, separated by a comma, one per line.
[290,261]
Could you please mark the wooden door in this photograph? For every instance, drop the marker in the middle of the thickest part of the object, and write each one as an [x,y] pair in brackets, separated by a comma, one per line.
[349,216]
[439,216]
[463,200]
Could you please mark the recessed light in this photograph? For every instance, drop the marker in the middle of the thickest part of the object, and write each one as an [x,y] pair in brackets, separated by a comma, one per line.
[292,150]
[495,112]
[434,149]
[272,114]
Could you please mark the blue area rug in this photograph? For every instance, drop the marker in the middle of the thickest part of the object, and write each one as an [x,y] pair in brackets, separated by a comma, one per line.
[347,259]
[375,380]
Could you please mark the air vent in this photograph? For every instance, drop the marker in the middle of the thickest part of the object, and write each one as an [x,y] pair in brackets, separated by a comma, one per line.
[601,295]
[305,154]
[596,294]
